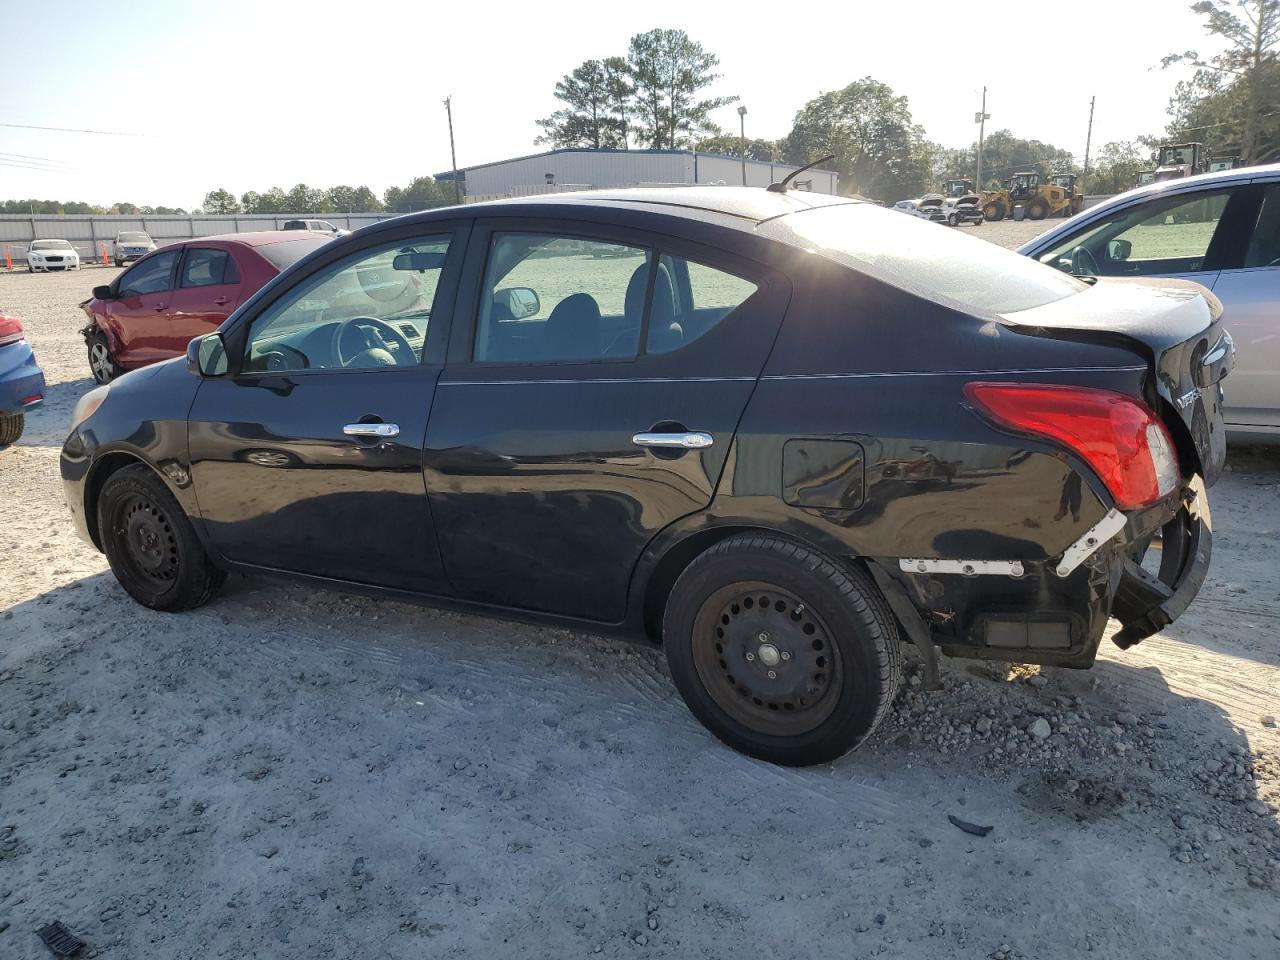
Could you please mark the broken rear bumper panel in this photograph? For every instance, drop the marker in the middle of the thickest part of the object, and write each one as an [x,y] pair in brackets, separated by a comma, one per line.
[1054,611]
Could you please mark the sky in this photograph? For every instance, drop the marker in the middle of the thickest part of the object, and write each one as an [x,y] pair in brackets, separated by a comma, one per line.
[250,94]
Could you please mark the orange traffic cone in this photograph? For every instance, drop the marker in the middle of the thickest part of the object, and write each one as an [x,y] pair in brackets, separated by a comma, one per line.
[8,260]
[104,254]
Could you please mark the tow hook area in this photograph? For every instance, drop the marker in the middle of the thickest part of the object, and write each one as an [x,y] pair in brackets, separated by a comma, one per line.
[1145,603]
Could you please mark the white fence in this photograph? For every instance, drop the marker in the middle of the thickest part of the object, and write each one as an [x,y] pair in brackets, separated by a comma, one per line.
[88,233]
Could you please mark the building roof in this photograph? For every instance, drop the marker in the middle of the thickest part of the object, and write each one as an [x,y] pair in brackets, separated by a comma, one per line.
[447,175]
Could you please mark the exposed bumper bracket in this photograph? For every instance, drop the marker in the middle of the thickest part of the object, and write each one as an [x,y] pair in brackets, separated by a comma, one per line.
[966,568]
[1091,541]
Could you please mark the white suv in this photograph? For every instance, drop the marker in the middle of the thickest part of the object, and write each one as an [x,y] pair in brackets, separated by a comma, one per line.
[131,245]
[316,226]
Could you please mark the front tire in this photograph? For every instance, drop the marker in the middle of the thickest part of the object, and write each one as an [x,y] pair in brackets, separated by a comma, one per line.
[101,364]
[994,211]
[151,545]
[953,219]
[11,425]
[782,653]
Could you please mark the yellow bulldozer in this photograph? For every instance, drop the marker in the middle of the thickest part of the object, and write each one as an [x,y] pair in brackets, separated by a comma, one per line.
[1037,197]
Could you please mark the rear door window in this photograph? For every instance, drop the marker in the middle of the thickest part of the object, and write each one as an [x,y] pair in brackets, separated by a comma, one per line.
[1264,243]
[689,300]
[554,299]
[205,267]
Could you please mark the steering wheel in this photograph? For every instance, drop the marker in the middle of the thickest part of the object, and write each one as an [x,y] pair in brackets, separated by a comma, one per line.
[375,334]
[1083,263]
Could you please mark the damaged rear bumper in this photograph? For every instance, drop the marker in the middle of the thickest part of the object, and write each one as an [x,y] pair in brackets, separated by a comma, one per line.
[1146,603]
[1054,611]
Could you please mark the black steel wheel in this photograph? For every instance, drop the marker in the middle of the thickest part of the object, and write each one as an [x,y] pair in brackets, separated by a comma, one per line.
[149,541]
[782,653]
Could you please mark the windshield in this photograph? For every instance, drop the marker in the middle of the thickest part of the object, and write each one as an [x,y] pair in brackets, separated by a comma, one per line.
[51,245]
[132,238]
[942,265]
[288,252]
[1176,155]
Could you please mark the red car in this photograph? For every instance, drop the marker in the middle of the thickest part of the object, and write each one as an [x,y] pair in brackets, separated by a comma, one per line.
[155,308]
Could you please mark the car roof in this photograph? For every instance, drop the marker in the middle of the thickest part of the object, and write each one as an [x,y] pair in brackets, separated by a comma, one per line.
[257,238]
[753,204]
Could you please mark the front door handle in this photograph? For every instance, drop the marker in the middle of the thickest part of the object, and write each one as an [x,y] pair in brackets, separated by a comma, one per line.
[381,430]
[691,440]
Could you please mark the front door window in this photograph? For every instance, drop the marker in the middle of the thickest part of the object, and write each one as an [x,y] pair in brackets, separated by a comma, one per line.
[368,311]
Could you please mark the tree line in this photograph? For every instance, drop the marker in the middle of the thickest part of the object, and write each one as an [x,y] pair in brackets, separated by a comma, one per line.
[73,207]
[421,193]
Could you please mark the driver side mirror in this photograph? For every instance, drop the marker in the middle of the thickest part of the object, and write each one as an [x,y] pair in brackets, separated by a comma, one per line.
[521,301]
[207,356]
[103,293]
[1119,250]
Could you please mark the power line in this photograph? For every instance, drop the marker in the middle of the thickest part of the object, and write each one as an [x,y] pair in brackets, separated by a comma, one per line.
[23,156]
[99,133]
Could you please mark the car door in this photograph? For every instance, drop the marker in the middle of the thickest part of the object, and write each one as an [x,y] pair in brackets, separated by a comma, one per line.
[139,313]
[1250,292]
[589,402]
[307,455]
[209,288]
[1183,235]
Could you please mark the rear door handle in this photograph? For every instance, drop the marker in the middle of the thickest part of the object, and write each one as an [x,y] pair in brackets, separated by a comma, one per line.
[160,307]
[691,440]
[382,430]
[222,301]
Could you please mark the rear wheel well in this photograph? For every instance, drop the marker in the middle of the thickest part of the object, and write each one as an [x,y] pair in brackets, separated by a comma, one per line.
[678,557]
[102,471]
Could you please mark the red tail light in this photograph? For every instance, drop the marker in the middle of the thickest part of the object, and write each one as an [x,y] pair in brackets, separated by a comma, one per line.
[1119,437]
[10,330]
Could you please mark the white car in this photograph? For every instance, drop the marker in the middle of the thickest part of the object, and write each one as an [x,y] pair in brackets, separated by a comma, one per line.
[48,255]
[926,208]
[315,226]
[131,245]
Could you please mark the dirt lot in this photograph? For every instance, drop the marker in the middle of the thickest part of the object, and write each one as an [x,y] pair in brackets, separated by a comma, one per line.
[294,774]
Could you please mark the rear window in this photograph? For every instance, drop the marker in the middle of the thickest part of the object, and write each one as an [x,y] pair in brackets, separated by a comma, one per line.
[295,225]
[288,252]
[928,259]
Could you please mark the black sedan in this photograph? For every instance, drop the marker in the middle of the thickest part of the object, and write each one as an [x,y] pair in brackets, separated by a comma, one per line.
[780,434]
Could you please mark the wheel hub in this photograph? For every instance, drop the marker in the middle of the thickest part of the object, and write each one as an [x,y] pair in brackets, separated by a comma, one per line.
[149,542]
[767,658]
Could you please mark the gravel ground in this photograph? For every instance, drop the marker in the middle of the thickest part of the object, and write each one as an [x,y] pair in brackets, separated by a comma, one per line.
[287,773]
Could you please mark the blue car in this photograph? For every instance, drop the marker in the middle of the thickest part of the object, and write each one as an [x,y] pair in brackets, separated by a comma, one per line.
[21,380]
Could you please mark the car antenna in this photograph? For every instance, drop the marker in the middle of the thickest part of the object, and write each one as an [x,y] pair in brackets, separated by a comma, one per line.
[782,187]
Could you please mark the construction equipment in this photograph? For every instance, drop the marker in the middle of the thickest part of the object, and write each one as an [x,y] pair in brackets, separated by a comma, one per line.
[954,189]
[1219,164]
[1067,181]
[1177,160]
[1027,190]
[1145,177]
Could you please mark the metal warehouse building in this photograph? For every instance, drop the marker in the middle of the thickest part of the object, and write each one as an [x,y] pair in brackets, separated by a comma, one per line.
[557,171]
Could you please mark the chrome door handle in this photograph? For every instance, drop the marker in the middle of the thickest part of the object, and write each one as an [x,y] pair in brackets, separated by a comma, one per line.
[694,440]
[383,430]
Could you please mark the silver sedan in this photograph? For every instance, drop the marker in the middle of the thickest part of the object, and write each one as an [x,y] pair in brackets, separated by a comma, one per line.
[1219,229]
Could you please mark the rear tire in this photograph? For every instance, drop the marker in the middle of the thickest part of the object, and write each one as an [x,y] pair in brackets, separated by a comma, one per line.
[782,653]
[151,545]
[102,364]
[1038,209]
[11,425]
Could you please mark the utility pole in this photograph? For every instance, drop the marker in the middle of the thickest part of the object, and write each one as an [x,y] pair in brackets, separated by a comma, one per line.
[742,128]
[457,190]
[980,118]
[1088,142]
